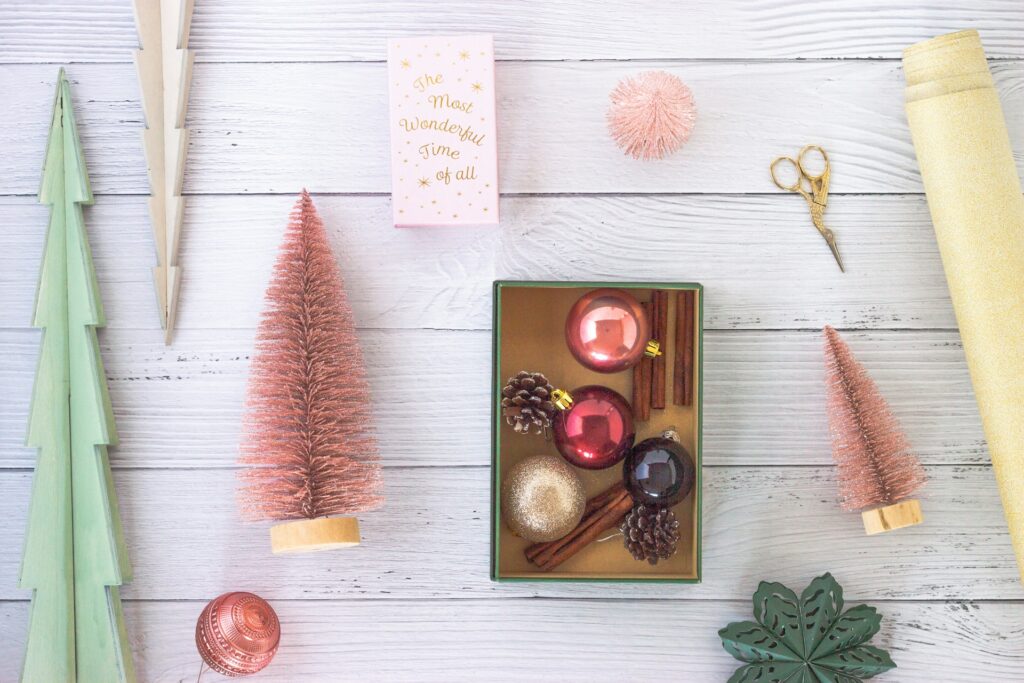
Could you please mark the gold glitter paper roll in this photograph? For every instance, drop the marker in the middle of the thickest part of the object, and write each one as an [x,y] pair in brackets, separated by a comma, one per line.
[542,498]
[974,195]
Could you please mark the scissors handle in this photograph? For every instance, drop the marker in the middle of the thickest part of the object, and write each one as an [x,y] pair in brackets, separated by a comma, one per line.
[803,168]
[797,185]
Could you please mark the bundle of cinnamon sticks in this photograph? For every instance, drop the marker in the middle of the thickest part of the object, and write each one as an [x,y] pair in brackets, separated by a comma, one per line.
[602,513]
[649,389]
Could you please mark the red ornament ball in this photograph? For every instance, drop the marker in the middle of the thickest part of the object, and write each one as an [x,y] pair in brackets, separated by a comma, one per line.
[659,471]
[596,431]
[238,634]
[607,330]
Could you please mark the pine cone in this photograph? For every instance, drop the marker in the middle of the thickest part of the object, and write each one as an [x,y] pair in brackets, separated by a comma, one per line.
[651,533]
[526,402]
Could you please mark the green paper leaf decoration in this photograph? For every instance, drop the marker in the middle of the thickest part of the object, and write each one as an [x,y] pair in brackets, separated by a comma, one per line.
[778,608]
[856,626]
[807,639]
[820,604]
[862,661]
[74,557]
[751,642]
[773,672]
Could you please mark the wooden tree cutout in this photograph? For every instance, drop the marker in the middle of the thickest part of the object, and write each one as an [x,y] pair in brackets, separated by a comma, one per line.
[74,556]
[165,70]
[308,428]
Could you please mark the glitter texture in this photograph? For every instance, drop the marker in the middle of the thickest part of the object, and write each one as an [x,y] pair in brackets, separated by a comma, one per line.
[651,115]
[873,457]
[542,498]
[308,432]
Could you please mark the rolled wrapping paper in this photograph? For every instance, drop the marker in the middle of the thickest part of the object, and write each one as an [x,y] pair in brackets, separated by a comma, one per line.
[974,195]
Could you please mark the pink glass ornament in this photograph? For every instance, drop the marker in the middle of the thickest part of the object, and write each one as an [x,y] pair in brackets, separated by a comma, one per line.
[596,431]
[237,634]
[607,330]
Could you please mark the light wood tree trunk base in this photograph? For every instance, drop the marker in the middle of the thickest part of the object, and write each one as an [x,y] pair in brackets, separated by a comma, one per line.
[312,535]
[904,513]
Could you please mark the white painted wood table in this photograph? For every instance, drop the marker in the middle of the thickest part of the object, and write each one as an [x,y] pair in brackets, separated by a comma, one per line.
[289,95]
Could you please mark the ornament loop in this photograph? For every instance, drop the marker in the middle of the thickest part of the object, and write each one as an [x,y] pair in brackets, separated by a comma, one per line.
[653,349]
[561,398]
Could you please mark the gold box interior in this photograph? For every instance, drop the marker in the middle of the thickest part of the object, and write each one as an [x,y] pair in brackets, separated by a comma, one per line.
[532,329]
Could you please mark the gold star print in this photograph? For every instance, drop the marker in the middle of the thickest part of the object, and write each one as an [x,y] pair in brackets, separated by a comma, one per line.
[406,64]
[433,201]
[464,55]
[477,87]
[485,208]
[424,182]
[455,215]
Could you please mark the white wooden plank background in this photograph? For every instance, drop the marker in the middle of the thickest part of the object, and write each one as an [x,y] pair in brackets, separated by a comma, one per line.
[291,95]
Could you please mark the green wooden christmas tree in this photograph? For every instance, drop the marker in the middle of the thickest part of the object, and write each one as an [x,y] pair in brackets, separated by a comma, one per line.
[74,551]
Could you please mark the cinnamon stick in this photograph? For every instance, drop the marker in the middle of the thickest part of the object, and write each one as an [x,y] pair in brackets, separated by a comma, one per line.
[608,519]
[688,345]
[602,499]
[660,333]
[638,389]
[677,352]
[543,556]
[643,411]
[593,506]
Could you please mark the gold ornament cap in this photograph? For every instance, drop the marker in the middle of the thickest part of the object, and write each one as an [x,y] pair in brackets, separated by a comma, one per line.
[902,514]
[653,348]
[561,398]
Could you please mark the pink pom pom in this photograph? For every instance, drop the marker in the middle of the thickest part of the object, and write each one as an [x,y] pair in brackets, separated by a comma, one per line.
[651,115]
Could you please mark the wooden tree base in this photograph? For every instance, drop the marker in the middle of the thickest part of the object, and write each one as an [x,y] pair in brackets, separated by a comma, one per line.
[312,535]
[905,513]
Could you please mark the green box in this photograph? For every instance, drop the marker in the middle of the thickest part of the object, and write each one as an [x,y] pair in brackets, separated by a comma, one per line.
[528,334]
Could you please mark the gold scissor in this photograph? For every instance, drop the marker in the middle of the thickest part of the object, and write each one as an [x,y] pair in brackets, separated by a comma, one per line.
[816,193]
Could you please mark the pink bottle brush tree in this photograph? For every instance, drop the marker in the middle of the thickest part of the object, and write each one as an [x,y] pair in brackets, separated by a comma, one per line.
[878,472]
[308,434]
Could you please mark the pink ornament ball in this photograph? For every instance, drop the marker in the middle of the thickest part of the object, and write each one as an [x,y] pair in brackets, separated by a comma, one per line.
[237,634]
[651,115]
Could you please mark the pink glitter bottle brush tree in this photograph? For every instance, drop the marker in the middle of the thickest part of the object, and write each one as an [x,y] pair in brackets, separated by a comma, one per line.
[308,434]
[877,470]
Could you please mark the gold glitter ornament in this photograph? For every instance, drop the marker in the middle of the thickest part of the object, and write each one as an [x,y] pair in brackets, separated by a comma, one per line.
[542,498]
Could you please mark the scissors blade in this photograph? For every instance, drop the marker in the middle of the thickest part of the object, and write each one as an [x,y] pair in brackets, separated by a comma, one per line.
[835,252]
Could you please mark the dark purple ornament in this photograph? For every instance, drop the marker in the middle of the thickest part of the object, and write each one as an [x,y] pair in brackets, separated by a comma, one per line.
[659,471]
[596,431]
